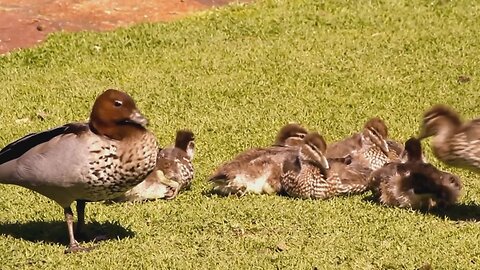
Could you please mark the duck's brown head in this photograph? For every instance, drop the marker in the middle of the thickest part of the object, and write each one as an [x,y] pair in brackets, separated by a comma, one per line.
[115,115]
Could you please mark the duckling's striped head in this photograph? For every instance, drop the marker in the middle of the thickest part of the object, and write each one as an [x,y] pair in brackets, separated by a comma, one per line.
[291,135]
[313,150]
[376,131]
[185,141]
[413,149]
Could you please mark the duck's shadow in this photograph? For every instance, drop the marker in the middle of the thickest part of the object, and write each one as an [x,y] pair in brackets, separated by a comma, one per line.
[55,232]
[458,212]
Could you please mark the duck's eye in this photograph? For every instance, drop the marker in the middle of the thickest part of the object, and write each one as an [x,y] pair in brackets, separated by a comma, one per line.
[118,103]
[301,135]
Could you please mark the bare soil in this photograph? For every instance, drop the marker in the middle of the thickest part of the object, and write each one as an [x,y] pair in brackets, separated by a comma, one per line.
[25,23]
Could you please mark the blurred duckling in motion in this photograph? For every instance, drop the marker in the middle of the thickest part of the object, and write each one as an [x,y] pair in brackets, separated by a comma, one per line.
[454,142]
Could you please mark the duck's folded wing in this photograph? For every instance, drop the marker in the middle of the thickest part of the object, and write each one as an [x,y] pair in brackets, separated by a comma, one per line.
[22,145]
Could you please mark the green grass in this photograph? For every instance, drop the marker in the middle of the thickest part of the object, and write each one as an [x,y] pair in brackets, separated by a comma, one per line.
[234,76]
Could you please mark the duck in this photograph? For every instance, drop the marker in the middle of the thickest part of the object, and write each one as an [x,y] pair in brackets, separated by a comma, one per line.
[257,170]
[84,161]
[305,175]
[414,183]
[173,172]
[370,147]
[454,142]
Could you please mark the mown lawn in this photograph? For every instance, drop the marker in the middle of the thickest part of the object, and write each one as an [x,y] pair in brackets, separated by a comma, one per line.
[235,76]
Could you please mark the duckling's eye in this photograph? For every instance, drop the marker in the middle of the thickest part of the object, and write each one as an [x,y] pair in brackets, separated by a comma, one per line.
[453,180]
[375,132]
[301,135]
[117,103]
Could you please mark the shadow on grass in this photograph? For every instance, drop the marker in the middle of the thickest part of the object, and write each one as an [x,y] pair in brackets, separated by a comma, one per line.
[212,194]
[457,212]
[55,232]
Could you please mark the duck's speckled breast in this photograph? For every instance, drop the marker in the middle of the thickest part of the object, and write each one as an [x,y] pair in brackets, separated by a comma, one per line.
[115,167]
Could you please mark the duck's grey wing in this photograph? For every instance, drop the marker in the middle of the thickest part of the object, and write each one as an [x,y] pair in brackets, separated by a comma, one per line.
[37,160]
[22,145]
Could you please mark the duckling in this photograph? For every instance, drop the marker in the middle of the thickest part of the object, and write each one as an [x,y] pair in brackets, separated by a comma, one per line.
[173,173]
[257,170]
[305,174]
[414,183]
[84,162]
[369,147]
[455,143]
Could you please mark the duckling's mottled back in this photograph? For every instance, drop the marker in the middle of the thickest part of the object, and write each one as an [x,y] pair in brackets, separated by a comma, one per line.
[305,176]
[414,183]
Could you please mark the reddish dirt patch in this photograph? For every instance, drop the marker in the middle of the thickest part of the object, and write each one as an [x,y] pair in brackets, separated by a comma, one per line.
[24,23]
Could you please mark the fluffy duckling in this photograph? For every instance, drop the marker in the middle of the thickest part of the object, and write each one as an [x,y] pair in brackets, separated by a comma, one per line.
[257,170]
[84,162]
[369,147]
[454,142]
[305,174]
[173,172]
[414,183]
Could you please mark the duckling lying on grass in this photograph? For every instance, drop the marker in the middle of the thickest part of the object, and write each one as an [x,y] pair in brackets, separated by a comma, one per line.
[414,183]
[173,172]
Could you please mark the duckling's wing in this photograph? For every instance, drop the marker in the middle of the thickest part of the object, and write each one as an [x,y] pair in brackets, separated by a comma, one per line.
[465,147]
[353,177]
[472,130]
[344,147]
